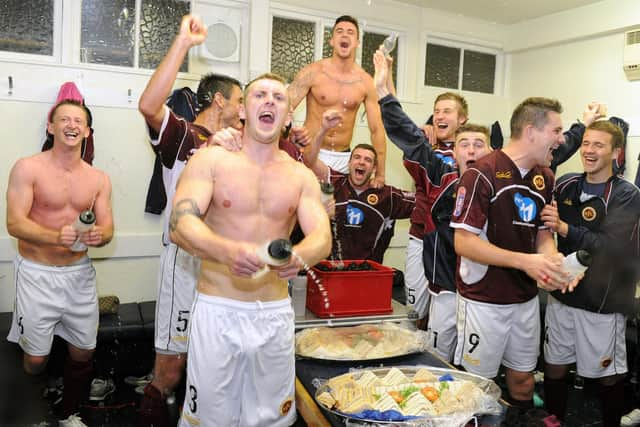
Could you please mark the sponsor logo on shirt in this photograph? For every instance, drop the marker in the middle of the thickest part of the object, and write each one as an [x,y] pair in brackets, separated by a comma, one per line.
[605,362]
[355,216]
[527,208]
[372,199]
[503,174]
[445,159]
[462,192]
[568,202]
[538,182]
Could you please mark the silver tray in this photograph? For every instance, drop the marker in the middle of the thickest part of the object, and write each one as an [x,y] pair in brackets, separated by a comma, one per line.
[417,346]
[490,389]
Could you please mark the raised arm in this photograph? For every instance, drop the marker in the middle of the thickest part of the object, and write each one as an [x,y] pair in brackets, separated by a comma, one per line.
[376,128]
[301,85]
[19,203]
[330,119]
[151,105]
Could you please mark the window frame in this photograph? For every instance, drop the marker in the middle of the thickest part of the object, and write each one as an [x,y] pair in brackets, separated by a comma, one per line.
[67,44]
[56,55]
[475,45]
[322,20]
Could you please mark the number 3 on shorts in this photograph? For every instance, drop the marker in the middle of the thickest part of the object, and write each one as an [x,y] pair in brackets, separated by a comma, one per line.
[193,397]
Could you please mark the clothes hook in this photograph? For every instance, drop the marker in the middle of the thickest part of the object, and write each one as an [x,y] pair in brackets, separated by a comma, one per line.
[10,85]
[129,95]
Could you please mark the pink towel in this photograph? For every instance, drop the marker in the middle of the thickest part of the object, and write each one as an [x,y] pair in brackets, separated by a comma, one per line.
[68,90]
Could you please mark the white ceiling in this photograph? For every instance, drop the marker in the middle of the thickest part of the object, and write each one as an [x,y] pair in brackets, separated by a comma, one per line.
[501,11]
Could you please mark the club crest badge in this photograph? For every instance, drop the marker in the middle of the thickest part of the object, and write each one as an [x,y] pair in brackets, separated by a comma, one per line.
[589,213]
[372,199]
[285,407]
[538,182]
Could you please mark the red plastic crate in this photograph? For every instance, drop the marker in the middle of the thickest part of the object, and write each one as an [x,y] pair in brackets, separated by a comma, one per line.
[351,293]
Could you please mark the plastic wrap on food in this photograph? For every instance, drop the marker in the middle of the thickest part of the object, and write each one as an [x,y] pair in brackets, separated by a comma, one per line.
[363,342]
[408,396]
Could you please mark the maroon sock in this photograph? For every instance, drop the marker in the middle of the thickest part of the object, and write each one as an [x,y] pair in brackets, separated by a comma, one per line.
[76,382]
[612,400]
[556,394]
[153,408]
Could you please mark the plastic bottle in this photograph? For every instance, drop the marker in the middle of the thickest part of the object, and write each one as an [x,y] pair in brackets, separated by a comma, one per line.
[276,252]
[576,263]
[389,43]
[83,223]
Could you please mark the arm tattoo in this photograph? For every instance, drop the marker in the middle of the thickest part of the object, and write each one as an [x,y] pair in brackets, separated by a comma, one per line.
[182,208]
[298,85]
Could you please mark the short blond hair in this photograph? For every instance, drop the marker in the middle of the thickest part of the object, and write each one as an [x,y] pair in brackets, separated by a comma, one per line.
[463,107]
[264,76]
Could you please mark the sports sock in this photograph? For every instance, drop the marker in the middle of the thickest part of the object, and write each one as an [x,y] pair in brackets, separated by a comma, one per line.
[76,383]
[555,396]
[612,400]
[153,408]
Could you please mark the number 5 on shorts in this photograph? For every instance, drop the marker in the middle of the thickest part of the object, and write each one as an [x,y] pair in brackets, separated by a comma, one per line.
[183,320]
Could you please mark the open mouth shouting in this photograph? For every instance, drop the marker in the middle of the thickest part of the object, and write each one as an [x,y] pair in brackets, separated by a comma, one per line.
[266,117]
[360,173]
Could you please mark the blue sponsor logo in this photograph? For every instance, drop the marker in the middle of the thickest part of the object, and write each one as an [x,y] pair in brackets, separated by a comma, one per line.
[354,215]
[527,208]
[445,159]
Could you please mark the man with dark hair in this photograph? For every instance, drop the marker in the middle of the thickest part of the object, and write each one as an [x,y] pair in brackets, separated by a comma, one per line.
[241,339]
[505,250]
[55,280]
[598,212]
[363,214]
[219,99]
[338,83]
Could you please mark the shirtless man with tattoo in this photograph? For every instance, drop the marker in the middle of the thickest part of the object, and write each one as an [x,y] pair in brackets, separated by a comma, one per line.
[339,83]
[227,205]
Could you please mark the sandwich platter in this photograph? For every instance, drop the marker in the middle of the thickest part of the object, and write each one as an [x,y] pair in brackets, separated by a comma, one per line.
[409,396]
[363,342]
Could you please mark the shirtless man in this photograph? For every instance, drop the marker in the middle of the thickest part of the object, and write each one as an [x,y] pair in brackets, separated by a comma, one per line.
[340,84]
[56,287]
[228,205]
[219,98]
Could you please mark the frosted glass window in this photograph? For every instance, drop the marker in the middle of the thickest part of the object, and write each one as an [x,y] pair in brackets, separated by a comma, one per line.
[292,46]
[108,29]
[27,26]
[159,23]
[327,50]
[479,71]
[370,43]
[442,66]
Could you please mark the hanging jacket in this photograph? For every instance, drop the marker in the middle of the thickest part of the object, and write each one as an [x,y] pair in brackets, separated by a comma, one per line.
[183,103]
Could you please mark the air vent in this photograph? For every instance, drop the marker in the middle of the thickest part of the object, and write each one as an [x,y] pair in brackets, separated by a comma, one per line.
[633,37]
